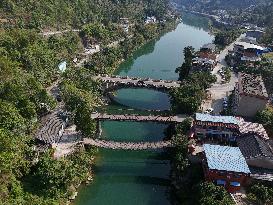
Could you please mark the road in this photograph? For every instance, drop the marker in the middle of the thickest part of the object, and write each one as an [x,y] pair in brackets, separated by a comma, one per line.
[50,33]
[218,90]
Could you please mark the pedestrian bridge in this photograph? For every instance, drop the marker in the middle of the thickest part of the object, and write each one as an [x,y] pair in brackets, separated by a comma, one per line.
[117,82]
[139,118]
[127,145]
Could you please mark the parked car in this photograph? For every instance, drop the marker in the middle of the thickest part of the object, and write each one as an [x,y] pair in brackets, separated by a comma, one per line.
[209,111]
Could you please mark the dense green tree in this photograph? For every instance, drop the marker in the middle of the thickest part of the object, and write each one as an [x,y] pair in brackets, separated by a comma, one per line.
[10,118]
[187,98]
[226,37]
[184,69]
[210,194]
[261,193]
[265,117]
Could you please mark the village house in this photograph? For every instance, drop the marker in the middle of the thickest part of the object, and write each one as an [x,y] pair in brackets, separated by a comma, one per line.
[218,128]
[257,151]
[205,59]
[255,33]
[250,95]
[224,128]
[150,19]
[225,166]
[248,52]
[125,24]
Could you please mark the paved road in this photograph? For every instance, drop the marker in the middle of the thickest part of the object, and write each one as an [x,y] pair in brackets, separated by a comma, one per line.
[219,90]
[50,33]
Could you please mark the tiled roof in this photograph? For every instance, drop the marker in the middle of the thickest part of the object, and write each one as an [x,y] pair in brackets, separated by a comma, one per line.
[216,119]
[209,46]
[249,45]
[253,146]
[250,127]
[225,158]
[50,132]
[252,85]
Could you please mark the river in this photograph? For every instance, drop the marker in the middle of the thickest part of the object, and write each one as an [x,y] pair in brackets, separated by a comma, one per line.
[142,177]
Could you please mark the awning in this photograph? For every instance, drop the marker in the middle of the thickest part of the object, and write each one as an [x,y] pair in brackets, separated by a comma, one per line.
[235,184]
[221,182]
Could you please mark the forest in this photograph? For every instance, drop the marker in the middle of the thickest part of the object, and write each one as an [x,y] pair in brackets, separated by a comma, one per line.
[29,65]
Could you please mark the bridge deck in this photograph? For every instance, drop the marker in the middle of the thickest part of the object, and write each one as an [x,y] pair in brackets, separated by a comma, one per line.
[127,145]
[130,81]
[138,118]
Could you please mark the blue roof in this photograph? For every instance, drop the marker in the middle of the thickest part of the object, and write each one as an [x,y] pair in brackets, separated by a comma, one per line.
[62,66]
[225,158]
[216,119]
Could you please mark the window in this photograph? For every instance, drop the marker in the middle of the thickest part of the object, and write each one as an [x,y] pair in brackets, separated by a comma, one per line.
[236,184]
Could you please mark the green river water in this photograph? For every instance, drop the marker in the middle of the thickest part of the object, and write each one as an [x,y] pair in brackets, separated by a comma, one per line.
[142,177]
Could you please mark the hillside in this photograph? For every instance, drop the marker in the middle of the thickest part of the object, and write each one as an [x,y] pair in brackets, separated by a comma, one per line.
[218,4]
[66,13]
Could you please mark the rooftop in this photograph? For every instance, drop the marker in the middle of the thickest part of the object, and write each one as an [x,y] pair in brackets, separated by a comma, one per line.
[252,85]
[251,146]
[251,127]
[216,119]
[249,45]
[225,158]
[210,46]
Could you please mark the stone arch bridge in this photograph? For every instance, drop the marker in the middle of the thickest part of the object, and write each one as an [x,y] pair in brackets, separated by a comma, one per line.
[116,82]
[132,145]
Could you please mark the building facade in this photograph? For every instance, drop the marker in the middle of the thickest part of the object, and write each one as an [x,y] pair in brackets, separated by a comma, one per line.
[225,166]
[250,95]
[219,128]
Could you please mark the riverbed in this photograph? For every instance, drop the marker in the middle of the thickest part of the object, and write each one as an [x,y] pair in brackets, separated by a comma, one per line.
[142,177]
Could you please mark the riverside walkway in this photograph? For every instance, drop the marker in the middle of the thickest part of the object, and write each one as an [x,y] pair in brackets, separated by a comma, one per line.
[127,145]
[119,81]
[139,118]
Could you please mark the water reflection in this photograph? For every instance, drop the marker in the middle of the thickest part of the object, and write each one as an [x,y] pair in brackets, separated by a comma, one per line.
[144,99]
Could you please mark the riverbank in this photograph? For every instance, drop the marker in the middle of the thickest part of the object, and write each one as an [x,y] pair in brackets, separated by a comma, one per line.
[114,64]
[140,177]
[108,60]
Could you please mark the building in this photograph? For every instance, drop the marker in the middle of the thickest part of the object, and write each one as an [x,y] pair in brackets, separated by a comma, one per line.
[250,95]
[248,52]
[206,58]
[225,128]
[225,166]
[257,34]
[150,19]
[257,151]
[219,128]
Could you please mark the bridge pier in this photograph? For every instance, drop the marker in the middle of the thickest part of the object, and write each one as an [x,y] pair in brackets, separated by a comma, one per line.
[98,128]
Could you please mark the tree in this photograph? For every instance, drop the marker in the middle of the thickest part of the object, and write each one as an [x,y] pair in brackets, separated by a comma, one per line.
[10,118]
[210,194]
[184,69]
[265,117]
[262,194]
[187,98]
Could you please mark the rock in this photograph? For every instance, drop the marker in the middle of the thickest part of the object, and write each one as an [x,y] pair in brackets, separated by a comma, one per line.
[72,197]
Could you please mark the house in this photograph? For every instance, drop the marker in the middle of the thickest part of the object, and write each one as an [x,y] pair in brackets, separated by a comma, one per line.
[125,24]
[248,51]
[250,95]
[225,166]
[206,58]
[219,128]
[257,151]
[151,19]
[202,64]
[257,34]
[225,128]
